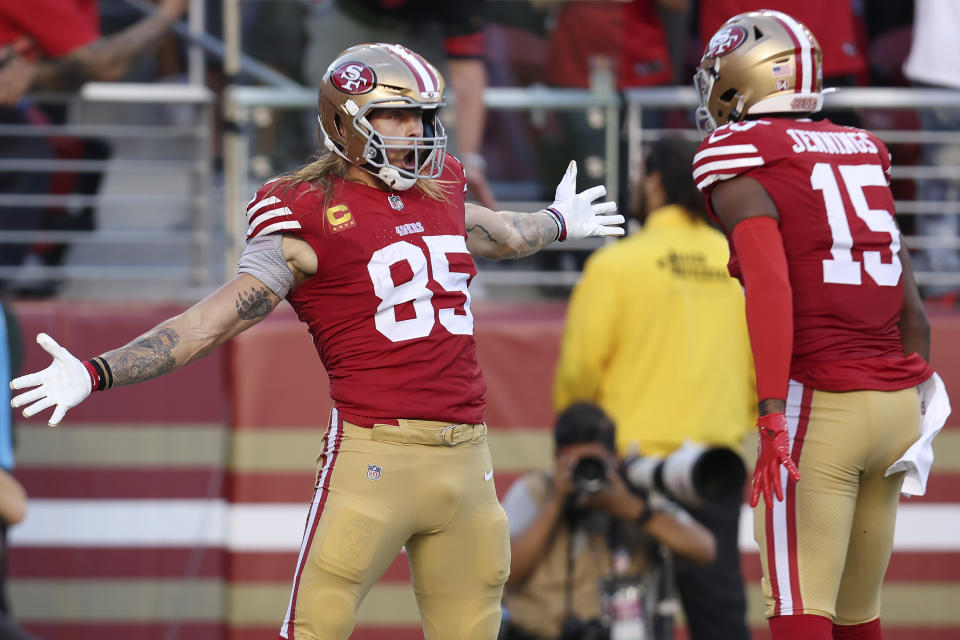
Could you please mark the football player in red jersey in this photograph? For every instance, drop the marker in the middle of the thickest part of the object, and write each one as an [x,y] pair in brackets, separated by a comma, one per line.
[839,334]
[373,247]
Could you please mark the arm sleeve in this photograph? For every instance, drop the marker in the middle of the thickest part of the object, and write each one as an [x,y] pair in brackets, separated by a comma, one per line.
[769,302]
[263,259]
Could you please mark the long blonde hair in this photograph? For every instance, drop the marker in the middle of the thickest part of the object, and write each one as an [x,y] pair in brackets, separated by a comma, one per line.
[327,166]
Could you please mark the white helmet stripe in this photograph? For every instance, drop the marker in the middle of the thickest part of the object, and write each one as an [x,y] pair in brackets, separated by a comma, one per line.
[425,77]
[806,50]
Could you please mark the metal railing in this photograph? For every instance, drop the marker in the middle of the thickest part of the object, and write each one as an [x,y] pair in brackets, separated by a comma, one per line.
[623,125]
[215,240]
[140,218]
[861,99]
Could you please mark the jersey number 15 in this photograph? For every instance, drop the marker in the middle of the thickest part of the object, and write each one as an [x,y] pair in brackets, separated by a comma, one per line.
[842,268]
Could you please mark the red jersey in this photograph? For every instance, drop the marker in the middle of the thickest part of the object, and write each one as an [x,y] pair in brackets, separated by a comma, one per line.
[51,28]
[388,308]
[831,187]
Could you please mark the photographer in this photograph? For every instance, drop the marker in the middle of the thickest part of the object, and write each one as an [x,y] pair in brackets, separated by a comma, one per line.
[656,334]
[579,526]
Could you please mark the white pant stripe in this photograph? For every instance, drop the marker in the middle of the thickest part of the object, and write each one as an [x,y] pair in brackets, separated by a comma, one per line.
[332,437]
[780,542]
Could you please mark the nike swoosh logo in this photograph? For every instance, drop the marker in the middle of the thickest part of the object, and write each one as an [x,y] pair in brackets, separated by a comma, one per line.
[487,475]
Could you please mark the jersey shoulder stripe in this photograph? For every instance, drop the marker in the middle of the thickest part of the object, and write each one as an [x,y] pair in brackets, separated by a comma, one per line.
[269,211]
[722,162]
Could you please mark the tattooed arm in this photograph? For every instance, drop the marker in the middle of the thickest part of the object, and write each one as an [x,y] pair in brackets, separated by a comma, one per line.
[231,309]
[507,234]
[234,307]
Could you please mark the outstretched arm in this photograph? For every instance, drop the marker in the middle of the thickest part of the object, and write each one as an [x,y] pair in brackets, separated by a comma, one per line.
[231,309]
[234,307]
[509,234]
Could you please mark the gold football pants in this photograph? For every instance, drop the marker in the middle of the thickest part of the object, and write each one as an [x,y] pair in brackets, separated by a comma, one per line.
[425,486]
[825,548]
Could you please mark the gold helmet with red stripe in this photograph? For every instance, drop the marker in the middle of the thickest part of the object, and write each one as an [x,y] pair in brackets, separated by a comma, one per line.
[380,75]
[758,62]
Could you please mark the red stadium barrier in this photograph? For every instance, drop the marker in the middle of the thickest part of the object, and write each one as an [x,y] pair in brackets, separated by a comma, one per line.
[180,503]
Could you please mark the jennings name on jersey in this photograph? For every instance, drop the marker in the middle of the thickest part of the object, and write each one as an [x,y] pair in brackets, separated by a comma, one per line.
[830,184]
[388,308]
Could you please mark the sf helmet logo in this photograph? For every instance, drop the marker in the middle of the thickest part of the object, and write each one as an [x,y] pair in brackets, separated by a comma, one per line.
[354,78]
[725,41]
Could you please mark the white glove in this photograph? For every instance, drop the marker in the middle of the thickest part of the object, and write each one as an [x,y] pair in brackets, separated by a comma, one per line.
[580,218]
[65,383]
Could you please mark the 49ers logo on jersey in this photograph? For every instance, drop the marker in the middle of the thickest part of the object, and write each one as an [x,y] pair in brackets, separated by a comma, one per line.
[725,41]
[354,78]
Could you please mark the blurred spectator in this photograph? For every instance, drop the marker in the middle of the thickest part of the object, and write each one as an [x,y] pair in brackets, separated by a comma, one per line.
[625,41]
[656,335]
[516,56]
[439,30]
[13,498]
[13,508]
[579,537]
[55,45]
[935,30]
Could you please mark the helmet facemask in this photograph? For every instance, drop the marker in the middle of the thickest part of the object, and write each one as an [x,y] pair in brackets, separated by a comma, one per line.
[427,153]
[703,81]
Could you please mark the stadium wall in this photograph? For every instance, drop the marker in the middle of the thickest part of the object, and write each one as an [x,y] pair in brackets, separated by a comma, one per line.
[175,508]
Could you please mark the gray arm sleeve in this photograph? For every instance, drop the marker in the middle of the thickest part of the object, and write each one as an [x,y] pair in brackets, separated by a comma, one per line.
[263,259]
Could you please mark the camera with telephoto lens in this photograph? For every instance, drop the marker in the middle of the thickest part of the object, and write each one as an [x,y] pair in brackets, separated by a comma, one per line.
[692,475]
[590,474]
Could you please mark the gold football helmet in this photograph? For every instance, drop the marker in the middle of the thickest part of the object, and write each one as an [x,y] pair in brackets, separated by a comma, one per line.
[758,62]
[372,76]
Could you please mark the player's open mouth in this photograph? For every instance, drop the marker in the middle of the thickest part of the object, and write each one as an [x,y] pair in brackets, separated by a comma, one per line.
[408,161]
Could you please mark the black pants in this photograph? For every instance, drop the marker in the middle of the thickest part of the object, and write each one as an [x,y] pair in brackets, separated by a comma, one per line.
[713,596]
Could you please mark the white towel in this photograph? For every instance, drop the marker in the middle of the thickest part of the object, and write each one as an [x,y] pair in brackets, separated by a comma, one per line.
[935,406]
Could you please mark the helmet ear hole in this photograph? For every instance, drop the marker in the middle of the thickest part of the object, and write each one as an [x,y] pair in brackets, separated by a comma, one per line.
[338,123]
[728,95]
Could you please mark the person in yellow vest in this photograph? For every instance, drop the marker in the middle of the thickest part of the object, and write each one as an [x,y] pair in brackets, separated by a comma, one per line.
[656,334]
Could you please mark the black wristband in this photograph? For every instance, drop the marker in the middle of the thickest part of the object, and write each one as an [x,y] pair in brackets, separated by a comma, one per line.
[103,369]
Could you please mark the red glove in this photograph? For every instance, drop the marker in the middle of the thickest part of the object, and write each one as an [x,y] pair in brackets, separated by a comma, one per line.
[774,451]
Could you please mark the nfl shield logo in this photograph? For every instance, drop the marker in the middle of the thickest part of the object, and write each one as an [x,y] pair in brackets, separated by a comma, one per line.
[395,202]
[373,472]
